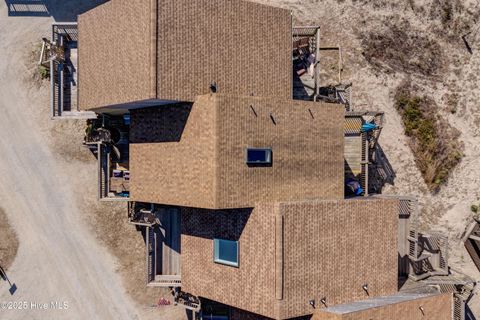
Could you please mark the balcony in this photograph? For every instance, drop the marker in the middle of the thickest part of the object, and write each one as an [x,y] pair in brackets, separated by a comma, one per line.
[60,55]
[108,138]
[161,227]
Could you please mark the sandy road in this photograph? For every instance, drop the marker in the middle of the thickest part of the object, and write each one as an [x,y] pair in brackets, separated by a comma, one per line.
[58,259]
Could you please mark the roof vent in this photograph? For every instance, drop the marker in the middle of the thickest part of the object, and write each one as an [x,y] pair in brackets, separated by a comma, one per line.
[365,288]
[213,87]
[324,301]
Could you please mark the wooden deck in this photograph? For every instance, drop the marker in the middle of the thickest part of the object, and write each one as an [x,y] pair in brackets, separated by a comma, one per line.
[70,79]
[353,156]
[360,147]
[163,250]
[303,87]
[64,75]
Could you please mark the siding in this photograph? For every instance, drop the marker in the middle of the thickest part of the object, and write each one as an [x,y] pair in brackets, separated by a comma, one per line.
[251,286]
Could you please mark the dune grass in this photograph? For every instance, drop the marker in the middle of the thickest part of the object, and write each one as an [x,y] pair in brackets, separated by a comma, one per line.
[434,142]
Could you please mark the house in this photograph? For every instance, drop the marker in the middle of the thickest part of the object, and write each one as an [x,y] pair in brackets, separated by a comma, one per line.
[141,53]
[289,254]
[240,188]
[226,151]
[158,51]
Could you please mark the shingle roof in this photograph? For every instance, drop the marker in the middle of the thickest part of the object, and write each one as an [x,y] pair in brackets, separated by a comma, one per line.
[174,49]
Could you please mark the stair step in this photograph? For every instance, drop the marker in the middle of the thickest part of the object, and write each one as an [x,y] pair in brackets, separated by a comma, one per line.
[190,306]
[423,256]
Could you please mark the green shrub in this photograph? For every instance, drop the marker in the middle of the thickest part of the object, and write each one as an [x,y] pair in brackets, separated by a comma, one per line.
[433,142]
[44,72]
[447,13]
[474,208]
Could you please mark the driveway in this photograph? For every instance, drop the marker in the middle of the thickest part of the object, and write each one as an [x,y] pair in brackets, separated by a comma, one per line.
[60,272]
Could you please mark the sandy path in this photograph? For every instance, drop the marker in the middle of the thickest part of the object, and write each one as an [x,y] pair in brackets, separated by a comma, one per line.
[58,259]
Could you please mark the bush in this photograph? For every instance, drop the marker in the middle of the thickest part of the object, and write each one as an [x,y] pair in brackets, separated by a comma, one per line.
[401,49]
[474,208]
[44,72]
[433,142]
[452,102]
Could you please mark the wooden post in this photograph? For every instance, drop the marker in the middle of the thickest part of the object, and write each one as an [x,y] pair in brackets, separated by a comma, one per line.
[52,88]
[291,51]
[107,174]
[100,170]
[317,63]
[367,161]
[340,66]
[175,241]
[60,88]
[155,248]
[147,253]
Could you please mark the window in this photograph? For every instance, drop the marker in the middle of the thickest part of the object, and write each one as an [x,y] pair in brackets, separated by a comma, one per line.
[259,156]
[226,252]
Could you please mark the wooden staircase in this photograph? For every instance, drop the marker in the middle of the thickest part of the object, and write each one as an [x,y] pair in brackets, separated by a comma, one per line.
[187,301]
[428,254]
[162,241]
[461,286]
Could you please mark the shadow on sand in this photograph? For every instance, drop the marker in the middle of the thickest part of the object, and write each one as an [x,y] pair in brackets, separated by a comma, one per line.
[381,172]
[13,286]
[60,10]
[469,313]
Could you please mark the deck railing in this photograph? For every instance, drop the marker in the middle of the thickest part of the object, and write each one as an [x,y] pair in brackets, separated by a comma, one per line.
[63,71]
